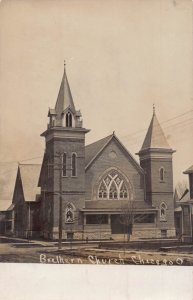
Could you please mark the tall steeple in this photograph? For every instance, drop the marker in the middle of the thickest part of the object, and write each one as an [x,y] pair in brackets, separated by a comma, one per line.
[65,114]
[64,100]
[62,176]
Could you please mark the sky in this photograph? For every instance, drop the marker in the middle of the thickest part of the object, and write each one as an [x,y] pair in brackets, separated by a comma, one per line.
[121,58]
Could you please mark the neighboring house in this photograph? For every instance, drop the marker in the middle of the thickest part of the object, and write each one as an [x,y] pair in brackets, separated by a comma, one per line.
[6,217]
[184,211]
[97,182]
[25,204]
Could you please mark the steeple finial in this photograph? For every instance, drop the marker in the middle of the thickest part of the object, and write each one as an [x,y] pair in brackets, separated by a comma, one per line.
[64,64]
[153,109]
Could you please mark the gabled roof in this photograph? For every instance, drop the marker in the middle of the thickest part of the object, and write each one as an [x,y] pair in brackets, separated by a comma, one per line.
[29,174]
[43,168]
[64,99]
[51,112]
[155,138]
[176,195]
[189,170]
[93,150]
[4,204]
[185,197]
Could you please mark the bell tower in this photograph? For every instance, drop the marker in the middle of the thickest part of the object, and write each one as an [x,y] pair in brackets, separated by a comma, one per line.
[63,168]
[156,160]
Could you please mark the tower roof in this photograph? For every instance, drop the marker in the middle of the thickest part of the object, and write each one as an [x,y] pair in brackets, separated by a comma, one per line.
[64,99]
[155,138]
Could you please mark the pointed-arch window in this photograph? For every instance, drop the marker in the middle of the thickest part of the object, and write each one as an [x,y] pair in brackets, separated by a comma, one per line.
[64,164]
[69,213]
[161,174]
[68,119]
[163,208]
[74,164]
[113,186]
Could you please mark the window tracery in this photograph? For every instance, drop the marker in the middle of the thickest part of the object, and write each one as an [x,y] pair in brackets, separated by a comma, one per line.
[113,186]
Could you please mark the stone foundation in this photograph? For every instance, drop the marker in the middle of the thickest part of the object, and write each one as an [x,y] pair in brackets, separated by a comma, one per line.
[152,233]
[142,233]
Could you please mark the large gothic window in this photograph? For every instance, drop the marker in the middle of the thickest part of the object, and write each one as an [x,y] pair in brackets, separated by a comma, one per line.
[113,186]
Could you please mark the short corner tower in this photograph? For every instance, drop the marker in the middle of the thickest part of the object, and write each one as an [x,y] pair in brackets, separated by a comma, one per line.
[156,160]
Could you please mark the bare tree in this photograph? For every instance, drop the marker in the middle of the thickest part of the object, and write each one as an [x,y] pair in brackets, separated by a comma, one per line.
[126,218]
[129,216]
[100,221]
[181,188]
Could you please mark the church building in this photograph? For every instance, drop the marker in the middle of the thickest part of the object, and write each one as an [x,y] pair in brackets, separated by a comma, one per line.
[98,191]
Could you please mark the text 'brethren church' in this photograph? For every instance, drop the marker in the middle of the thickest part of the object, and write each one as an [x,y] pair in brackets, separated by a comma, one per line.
[97,182]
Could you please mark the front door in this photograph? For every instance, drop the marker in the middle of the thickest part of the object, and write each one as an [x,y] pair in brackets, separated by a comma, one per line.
[116,226]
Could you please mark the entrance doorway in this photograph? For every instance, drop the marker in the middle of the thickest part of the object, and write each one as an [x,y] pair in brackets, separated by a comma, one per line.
[116,226]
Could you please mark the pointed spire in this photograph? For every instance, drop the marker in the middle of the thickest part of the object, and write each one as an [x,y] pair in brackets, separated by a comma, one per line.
[64,99]
[155,138]
[153,109]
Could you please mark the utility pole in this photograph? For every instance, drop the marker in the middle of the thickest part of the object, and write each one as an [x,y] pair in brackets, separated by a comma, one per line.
[29,225]
[60,223]
[60,206]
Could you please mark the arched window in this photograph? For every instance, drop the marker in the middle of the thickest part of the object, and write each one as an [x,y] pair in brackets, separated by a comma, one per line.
[68,119]
[161,174]
[69,213]
[163,208]
[113,186]
[74,167]
[64,160]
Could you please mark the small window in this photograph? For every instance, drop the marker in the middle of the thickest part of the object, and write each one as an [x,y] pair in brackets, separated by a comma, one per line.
[163,233]
[70,235]
[69,214]
[64,159]
[68,119]
[163,208]
[74,164]
[161,174]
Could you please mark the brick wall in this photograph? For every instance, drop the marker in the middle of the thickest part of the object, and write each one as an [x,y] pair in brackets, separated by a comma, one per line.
[158,191]
[122,162]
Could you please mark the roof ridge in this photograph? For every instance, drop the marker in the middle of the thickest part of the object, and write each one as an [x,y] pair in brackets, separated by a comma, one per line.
[108,136]
[29,164]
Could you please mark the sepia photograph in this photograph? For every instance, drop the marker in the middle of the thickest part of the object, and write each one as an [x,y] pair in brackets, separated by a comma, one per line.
[96,135]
